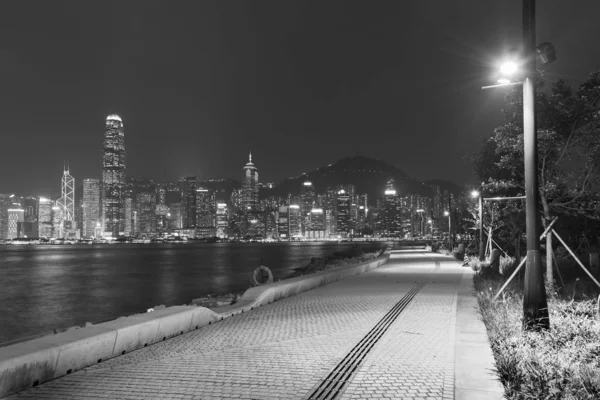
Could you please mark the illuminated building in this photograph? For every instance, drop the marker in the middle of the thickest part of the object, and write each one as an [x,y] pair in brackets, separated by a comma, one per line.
[5,204]
[113,177]
[16,217]
[161,194]
[222,220]
[162,218]
[129,229]
[236,198]
[187,187]
[295,221]
[175,219]
[307,197]
[271,228]
[146,213]
[391,219]
[317,223]
[343,213]
[57,222]
[91,206]
[362,211]
[283,226]
[67,204]
[205,208]
[45,217]
[329,223]
[250,186]
[29,227]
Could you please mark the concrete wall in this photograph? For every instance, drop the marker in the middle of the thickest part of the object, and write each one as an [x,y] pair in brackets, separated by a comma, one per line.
[30,363]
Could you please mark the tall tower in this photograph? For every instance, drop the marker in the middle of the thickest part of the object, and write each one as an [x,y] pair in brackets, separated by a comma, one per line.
[66,203]
[250,187]
[91,206]
[187,186]
[392,218]
[67,199]
[113,177]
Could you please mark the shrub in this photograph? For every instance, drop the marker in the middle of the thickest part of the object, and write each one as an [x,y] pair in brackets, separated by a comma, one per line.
[507,265]
[561,363]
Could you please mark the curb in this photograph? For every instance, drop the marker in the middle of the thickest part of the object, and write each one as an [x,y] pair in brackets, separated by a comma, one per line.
[31,363]
[474,365]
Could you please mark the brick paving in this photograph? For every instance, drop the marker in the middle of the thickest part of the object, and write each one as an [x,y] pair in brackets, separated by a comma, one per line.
[285,349]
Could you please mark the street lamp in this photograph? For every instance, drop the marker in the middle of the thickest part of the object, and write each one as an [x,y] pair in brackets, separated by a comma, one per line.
[447,214]
[535,304]
[476,194]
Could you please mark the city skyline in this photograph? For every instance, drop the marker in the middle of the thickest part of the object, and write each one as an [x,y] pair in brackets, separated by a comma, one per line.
[326,81]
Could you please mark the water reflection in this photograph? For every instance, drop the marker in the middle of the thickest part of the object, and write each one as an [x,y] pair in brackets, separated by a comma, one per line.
[46,287]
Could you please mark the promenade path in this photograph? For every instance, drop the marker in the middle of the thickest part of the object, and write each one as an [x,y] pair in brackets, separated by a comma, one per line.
[434,348]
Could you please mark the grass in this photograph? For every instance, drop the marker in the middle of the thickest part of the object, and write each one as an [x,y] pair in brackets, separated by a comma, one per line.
[561,363]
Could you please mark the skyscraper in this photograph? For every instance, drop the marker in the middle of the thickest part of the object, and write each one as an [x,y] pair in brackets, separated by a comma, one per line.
[250,187]
[205,208]
[113,177]
[5,204]
[146,213]
[307,196]
[129,210]
[91,206]
[16,216]
[30,223]
[222,220]
[391,223]
[343,213]
[187,186]
[283,226]
[67,204]
[45,217]
[295,221]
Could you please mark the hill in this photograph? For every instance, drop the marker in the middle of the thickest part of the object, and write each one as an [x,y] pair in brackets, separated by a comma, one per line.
[367,174]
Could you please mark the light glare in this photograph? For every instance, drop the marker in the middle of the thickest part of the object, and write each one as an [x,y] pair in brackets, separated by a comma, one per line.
[509,68]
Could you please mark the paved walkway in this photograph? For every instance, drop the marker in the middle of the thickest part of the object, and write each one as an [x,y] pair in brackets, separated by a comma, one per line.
[285,350]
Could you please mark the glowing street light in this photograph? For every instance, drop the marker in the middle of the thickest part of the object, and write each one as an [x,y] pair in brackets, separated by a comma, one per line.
[509,68]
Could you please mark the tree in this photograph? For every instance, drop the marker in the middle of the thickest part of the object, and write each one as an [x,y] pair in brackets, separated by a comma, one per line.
[568,150]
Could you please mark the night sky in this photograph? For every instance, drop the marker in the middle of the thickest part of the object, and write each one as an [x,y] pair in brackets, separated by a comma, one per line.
[300,83]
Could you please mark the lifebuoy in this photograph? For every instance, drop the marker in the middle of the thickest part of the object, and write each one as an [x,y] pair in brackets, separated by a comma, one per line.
[258,272]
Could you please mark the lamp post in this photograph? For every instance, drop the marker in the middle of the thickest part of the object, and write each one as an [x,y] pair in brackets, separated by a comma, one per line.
[535,304]
[447,213]
[475,193]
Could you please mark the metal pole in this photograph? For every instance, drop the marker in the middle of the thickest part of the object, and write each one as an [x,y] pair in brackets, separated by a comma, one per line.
[535,304]
[450,230]
[481,255]
[523,261]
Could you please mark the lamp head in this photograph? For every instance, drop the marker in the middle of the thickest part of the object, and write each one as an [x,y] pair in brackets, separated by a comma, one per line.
[446,213]
[509,68]
[475,194]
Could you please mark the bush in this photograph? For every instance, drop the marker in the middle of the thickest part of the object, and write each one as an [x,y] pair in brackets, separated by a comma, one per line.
[561,363]
[507,265]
